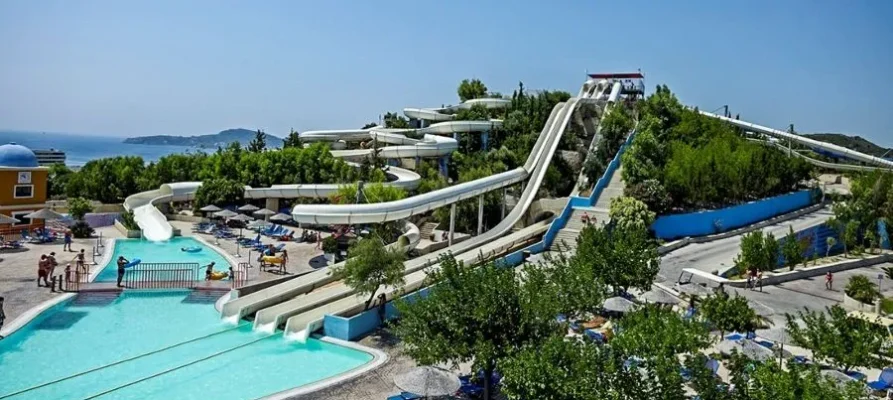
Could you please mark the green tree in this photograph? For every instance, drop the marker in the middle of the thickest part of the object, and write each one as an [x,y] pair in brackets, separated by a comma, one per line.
[220,192]
[395,121]
[57,180]
[620,259]
[372,265]
[471,89]
[652,331]
[561,369]
[369,125]
[792,249]
[757,252]
[259,143]
[292,140]
[850,235]
[729,313]
[830,242]
[127,219]
[582,290]
[769,381]
[871,237]
[843,341]
[78,207]
[630,214]
[456,321]
[652,193]
[861,288]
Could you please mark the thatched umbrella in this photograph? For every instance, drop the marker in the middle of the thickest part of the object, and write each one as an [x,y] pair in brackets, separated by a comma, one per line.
[8,220]
[265,212]
[46,215]
[658,296]
[242,218]
[618,304]
[249,207]
[280,217]
[428,381]
[839,377]
[225,214]
[209,208]
[747,348]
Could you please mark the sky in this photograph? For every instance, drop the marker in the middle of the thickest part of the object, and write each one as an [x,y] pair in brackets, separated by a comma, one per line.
[128,68]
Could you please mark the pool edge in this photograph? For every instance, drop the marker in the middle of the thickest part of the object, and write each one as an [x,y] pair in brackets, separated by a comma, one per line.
[34,312]
[379,358]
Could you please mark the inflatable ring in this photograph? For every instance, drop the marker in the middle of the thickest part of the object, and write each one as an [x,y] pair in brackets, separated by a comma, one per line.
[191,249]
[273,259]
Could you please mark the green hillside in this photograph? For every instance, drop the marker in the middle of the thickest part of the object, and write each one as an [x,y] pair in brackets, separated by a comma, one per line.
[856,143]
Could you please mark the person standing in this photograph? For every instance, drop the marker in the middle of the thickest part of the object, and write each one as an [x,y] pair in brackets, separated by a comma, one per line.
[81,261]
[42,271]
[66,246]
[51,264]
[760,280]
[209,270]
[122,264]
[829,280]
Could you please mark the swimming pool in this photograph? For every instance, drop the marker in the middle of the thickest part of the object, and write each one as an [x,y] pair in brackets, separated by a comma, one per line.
[162,252]
[218,361]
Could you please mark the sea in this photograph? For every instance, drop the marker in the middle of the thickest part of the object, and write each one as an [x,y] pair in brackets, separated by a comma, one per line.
[82,148]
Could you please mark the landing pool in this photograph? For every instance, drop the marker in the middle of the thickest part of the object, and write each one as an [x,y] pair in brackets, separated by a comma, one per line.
[171,344]
[163,252]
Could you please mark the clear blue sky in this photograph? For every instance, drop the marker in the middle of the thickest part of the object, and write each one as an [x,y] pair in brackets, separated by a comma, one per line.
[200,66]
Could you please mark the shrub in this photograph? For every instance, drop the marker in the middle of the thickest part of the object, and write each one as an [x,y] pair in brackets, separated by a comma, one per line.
[862,289]
[81,230]
[78,207]
[128,221]
[330,245]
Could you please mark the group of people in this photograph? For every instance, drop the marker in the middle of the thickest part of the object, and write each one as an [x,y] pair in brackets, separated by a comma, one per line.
[754,279]
[46,266]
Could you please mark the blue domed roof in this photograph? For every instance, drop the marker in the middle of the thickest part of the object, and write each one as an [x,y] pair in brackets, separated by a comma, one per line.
[17,156]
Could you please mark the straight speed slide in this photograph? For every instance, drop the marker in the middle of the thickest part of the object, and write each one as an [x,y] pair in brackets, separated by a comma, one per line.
[805,141]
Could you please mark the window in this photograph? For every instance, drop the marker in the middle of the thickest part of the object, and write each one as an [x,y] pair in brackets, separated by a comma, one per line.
[24,191]
[21,217]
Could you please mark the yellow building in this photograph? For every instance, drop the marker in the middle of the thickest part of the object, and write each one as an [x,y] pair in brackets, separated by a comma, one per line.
[23,183]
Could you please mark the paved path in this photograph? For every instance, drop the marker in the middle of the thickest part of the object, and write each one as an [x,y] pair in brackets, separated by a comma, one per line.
[716,255]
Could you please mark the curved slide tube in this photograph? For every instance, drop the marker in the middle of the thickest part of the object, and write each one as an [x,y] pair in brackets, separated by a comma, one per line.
[337,299]
[819,163]
[805,141]
[151,221]
[308,309]
[448,113]
[293,291]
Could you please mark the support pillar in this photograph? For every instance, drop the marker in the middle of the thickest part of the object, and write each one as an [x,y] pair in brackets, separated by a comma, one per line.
[272,204]
[480,214]
[504,193]
[452,224]
[444,164]
[485,140]
[456,136]
[418,161]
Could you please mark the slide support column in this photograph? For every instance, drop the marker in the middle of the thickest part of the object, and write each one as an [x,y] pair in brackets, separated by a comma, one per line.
[504,193]
[444,164]
[452,224]
[480,214]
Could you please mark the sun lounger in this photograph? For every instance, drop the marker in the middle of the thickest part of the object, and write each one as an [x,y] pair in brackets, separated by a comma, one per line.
[405,396]
[884,380]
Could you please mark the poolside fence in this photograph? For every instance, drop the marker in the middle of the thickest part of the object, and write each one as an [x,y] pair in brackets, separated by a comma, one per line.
[161,276]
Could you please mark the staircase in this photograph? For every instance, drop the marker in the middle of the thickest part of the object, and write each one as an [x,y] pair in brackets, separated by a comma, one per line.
[427,230]
[566,238]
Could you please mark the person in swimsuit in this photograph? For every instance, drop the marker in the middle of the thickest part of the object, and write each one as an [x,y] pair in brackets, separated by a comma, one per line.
[2,314]
[209,269]
[81,260]
[42,271]
[67,243]
[51,264]
[122,263]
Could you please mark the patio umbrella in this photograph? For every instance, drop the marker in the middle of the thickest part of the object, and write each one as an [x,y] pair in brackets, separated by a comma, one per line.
[249,207]
[775,334]
[256,224]
[747,348]
[693,289]
[243,218]
[225,214]
[265,212]
[658,296]
[210,208]
[8,220]
[837,376]
[428,381]
[618,304]
[280,217]
[45,214]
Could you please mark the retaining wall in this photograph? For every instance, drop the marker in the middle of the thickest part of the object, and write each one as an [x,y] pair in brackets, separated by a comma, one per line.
[710,222]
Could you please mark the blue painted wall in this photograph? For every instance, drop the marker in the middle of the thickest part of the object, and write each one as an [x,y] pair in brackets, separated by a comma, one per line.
[818,237]
[365,322]
[715,221]
[883,235]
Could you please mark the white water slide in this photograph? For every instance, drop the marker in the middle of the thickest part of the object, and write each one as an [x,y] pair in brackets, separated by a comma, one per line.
[805,141]
[303,308]
[151,221]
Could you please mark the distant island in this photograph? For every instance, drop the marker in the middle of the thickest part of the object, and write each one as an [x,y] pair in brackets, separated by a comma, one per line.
[243,136]
[856,143]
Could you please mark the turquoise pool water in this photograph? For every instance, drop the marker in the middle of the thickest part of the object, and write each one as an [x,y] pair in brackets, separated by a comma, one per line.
[96,330]
[162,252]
